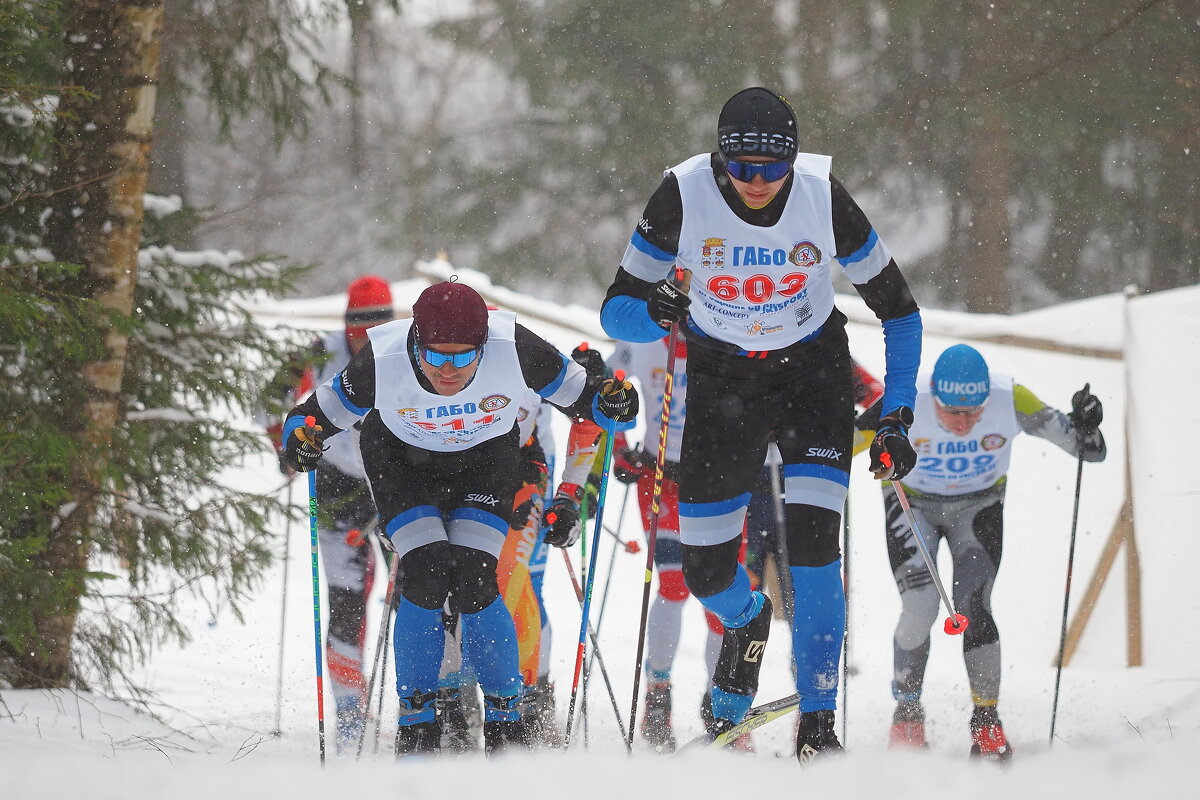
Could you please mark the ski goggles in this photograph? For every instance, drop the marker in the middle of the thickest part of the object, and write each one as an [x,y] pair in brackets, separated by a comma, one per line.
[959,411]
[745,171]
[457,360]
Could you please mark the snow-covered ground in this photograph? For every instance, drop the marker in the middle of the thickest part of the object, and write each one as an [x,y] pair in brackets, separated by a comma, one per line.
[1121,731]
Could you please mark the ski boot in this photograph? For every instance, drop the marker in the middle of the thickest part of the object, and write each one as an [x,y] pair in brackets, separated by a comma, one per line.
[351,724]
[715,727]
[988,741]
[503,727]
[908,727]
[454,728]
[417,732]
[538,710]
[656,721]
[815,737]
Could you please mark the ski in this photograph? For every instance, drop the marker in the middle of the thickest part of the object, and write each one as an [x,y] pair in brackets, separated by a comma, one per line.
[755,718]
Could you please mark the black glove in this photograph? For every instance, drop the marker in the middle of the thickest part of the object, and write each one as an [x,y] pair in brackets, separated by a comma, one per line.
[304,448]
[1087,412]
[618,400]
[531,472]
[561,518]
[892,455]
[627,465]
[590,359]
[667,304]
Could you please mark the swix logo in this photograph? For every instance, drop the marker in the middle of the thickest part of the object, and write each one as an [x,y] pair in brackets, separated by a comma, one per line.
[486,499]
[824,452]
[754,651]
[347,387]
[644,225]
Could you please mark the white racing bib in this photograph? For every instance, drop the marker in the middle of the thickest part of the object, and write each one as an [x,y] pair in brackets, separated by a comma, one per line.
[758,288]
[486,408]
[955,465]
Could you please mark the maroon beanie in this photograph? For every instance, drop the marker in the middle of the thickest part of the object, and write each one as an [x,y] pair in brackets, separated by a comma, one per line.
[450,313]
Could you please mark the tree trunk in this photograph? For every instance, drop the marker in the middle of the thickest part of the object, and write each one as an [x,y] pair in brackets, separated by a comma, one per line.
[988,289]
[103,147]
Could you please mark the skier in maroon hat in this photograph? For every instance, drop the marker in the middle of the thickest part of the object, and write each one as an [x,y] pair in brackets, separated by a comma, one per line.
[436,399]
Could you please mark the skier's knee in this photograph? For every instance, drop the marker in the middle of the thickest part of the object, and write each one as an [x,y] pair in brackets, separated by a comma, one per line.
[474,580]
[426,571]
[709,569]
[671,586]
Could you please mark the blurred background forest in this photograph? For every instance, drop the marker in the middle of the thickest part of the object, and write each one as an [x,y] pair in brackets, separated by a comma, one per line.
[1012,154]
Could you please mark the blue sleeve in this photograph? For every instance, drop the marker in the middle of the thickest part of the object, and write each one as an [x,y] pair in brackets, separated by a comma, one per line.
[627,319]
[902,352]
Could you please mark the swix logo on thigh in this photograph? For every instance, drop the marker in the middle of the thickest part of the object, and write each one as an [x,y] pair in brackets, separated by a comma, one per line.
[754,651]
[485,499]
[830,453]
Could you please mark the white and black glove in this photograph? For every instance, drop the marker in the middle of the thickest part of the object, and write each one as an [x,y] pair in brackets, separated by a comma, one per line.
[892,454]
[667,304]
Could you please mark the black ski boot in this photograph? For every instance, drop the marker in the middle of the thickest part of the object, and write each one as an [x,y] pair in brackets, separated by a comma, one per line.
[539,711]
[988,741]
[503,727]
[742,648]
[415,737]
[454,727]
[656,721]
[816,738]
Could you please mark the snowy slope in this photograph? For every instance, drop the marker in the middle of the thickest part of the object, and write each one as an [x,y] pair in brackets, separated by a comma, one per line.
[1121,731]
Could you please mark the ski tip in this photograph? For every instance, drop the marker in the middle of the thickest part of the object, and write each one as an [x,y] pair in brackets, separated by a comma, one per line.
[956,624]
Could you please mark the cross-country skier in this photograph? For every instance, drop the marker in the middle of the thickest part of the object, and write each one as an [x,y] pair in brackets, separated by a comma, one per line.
[759,226]
[966,419]
[436,398]
[346,506]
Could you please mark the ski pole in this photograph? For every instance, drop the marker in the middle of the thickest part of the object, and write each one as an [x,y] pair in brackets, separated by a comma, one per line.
[310,422]
[846,634]
[781,553]
[612,696]
[381,641]
[612,560]
[1062,637]
[955,623]
[682,279]
[287,540]
[629,545]
[591,573]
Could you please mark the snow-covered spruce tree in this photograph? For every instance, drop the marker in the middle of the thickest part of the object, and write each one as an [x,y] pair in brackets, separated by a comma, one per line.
[157,517]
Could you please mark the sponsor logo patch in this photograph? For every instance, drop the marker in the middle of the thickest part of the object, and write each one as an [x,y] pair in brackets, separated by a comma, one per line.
[712,252]
[805,255]
[485,499]
[993,441]
[494,402]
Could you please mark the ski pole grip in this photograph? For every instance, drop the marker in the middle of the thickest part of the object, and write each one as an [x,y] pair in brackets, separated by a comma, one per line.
[310,420]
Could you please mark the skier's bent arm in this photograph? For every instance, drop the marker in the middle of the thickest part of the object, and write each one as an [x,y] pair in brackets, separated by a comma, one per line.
[1045,422]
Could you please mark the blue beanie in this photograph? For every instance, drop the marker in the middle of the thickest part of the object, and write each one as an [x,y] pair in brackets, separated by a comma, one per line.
[960,377]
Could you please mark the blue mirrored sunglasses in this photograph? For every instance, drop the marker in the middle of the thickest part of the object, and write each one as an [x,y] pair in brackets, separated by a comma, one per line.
[458,360]
[770,171]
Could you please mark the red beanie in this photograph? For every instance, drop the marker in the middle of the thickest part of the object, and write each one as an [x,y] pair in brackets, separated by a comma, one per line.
[450,313]
[370,303]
